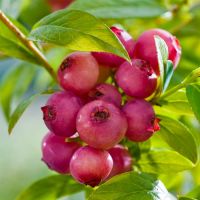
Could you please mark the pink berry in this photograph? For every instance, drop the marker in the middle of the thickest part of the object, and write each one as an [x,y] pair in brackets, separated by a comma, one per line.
[57,153]
[90,166]
[60,113]
[122,161]
[101,124]
[112,60]
[59,4]
[106,92]
[78,72]
[142,122]
[136,79]
[145,47]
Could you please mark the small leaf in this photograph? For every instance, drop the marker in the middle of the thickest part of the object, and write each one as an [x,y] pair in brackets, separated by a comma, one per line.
[169,71]
[179,137]
[120,9]
[129,186]
[51,188]
[18,112]
[195,193]
[69,28]
[186,198]
[193,95]
[11,45]
[163,162]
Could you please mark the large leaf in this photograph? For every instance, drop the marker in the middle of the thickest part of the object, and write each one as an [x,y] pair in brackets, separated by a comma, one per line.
[77,30]
[164,161]
[179,137]
[119,9]
[193,95]
[131,186]
[11,45]
[51,188]
[195,193]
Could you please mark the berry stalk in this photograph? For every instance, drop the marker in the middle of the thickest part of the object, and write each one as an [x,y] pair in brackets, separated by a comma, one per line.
[189,79]
[29,44]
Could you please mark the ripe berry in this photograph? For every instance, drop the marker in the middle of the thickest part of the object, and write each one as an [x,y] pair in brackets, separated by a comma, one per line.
[145,48]
[142,122]
[57,153]
[59,4]
[60,113]
[78,72]
[122,161]
[112,60]
[101,124]
[106,92]
[136,79]
[90,166]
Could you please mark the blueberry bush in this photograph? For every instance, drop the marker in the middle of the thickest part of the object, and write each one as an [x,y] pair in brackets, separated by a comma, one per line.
[123,89]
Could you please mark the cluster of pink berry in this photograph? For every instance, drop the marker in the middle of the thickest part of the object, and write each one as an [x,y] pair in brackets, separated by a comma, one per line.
[93,112]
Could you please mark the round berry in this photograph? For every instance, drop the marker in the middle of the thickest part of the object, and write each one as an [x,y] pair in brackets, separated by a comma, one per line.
[145,48]
[101,124]
[78,72]
[60,113]
[57,153]
[136,79]
[142,122]
[122,161]
[111,60]
[90,166]
[106,92]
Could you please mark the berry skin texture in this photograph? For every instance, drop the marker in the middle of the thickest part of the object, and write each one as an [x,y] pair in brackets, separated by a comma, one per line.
[136,79]
[101,124]
[91,166]
[111,60]
[78,73]
[57,153]
[142,122]
[145,48]
[60,113]
[122,161]
[106,92]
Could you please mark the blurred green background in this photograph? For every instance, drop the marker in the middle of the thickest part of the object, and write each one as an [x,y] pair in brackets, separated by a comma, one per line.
[20,156]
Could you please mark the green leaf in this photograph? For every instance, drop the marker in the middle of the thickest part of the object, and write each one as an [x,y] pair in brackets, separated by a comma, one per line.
[51,188]
[120,9]
[11,87]
[10,44]
[162,53]
[180,107]
[77,30]
[131,186]
[179,137]
[193,95]
[18,112]
[186,198]
[169,71]
[163,162]
[195,193]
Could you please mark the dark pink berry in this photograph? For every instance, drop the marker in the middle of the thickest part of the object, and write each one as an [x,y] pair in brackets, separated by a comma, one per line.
[59,4]
[145,47]
[57,153]
[60,113]
[78,72]
[101,124]
[90,166]
[112,60]
[142,122]
[122,161]
[136,79]
[106,92]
